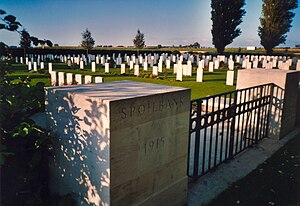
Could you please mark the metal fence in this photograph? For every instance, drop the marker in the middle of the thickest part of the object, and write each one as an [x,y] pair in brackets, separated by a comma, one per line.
[223,125]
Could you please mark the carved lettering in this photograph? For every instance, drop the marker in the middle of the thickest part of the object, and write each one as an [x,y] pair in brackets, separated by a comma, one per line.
[154,145]
[141,109]
[151,107]
[123,113]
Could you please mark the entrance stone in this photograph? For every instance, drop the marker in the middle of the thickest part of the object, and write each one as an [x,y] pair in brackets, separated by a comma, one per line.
[119,143]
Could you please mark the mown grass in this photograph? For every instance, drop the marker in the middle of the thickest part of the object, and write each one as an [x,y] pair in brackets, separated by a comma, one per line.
[213,83]
[275,182]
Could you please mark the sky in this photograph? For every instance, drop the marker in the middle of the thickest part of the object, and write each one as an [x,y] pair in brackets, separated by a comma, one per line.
[115,22]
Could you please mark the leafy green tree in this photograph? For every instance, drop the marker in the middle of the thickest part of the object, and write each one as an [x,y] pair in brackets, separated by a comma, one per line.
[23,145]
[87,40]
[139,40]
[226,16]
[275,22]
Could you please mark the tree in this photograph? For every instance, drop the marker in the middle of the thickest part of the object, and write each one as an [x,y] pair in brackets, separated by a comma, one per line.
[196,45]
[275,22]
[139,40]
[87,40]
[25,41]
[226,16]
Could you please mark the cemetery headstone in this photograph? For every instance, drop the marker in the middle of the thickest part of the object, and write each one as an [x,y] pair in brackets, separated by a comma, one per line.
[106,67]
[53,78]
[199,75]
[230,77]
[61,78]
[98,79]
[69,78]
[87,79]
[78,78]
[93,66]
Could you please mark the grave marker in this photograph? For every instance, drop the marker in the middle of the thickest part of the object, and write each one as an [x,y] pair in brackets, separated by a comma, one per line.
[87,79]
[199,75]
[69,78]
[98,79]
[78,78]
[61,78]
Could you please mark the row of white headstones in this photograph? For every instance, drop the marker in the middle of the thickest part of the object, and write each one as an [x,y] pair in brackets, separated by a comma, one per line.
[247,62]
[62,78]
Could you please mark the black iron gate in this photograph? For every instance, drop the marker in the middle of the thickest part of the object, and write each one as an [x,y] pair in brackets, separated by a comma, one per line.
[223,125]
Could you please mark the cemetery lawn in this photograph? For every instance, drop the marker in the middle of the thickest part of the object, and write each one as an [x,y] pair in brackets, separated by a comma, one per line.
[214,83]
[275,182]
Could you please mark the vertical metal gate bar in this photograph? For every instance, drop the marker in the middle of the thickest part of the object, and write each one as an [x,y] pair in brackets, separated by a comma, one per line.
[204,139]
[197,140]
[232,126]
[211,132]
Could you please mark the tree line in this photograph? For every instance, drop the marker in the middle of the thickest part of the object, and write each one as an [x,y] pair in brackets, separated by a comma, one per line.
[275,22]
[226,16]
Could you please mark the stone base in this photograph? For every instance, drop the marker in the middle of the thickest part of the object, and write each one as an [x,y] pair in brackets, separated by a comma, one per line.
[119,143]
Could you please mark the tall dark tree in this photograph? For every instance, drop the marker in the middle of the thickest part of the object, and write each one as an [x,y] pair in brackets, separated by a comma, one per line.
[226,16]
[25,41]
[139,40]
[275,22]
[87,40]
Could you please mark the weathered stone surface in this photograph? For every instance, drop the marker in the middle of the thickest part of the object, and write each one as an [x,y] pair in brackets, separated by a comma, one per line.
[119,143]
[284,104]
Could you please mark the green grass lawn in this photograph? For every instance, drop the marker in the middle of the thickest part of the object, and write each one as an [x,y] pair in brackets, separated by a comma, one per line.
[275,182]
[214,83]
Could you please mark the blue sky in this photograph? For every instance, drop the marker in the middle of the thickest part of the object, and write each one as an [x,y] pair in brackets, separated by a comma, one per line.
[115,22]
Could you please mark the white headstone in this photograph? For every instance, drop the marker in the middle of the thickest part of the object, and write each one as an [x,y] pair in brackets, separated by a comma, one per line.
[145,65]
[179,73]
[123,70]
[155,70]
[211,67]
[131,65]
[175,68]
[199,75]
[29,66]
[160,66]
[87,79]
[255,63]
[231,65]
[42,65]
[217,64]
[298,65]
[78,78]
[50,67]
[98,79]
[34,66]
[26,60]
[106,67]
[53,78]
[81,65]
[230,78]
[249,65]
[61,78]
[136,70]
[93,66]
[168,64]
[69,78]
